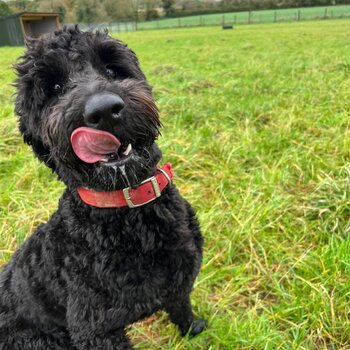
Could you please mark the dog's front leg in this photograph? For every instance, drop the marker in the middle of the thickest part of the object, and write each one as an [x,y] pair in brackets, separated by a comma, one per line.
[92,326]
[114,341]
[179,309]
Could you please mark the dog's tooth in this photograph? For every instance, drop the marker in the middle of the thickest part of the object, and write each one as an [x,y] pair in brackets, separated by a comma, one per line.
[128,150]
[105,160]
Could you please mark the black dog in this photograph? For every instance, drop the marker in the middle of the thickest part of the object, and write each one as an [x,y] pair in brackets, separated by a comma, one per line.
[123,243]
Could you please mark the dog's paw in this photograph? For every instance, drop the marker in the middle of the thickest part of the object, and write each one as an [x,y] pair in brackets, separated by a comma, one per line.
[198,326]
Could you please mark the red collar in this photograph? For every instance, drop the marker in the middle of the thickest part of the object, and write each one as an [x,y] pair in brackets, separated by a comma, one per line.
[146,192]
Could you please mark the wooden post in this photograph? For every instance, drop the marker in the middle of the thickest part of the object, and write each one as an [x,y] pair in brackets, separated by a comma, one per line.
[325,13]
[118,27]
[275,16]
[299,15]
[126,26]
[179,22]
[223,20]
[235,19]
[249,16]
[157,23]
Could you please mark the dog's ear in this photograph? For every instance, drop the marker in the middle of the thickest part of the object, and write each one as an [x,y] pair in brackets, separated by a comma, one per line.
[42,152]
[30,42]
[156,152]
[133,58]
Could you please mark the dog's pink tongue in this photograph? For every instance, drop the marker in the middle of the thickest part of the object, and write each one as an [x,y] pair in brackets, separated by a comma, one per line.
[92,145]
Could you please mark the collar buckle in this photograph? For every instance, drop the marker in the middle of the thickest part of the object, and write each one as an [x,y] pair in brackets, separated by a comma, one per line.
[157,193]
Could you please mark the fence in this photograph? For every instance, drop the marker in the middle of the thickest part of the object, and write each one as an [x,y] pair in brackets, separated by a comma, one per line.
[248,17]
[112,27]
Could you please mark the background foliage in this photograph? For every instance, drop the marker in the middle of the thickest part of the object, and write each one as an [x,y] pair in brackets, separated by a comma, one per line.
[94,11]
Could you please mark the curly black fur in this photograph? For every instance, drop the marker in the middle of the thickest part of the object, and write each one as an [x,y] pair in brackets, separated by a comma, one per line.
[88,272]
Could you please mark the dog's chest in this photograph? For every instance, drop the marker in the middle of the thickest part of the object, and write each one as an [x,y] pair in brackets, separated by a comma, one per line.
[136,260]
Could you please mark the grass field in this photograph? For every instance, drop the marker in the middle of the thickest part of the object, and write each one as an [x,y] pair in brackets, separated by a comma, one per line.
[256,123]
[263,16]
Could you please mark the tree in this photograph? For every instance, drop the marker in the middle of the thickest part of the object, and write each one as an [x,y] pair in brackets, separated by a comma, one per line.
[150,9]
[90,11]
[118,9]
[69,6]
[134,6]
[4,9]
[49,6]
[18,5]
[168,7]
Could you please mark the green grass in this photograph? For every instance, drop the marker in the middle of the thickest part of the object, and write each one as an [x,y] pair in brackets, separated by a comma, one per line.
[263,16]
[256,123]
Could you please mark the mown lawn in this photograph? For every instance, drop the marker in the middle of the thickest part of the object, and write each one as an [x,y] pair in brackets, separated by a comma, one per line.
[256,123]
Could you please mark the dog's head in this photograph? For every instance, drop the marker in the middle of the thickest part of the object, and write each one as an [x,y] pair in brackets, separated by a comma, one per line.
[87,110]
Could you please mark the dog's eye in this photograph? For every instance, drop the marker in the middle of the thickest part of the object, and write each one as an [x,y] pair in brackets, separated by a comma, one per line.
[111,72]
[57,89]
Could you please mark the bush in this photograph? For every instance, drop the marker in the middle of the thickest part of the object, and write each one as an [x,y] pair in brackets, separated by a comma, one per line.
[4,9]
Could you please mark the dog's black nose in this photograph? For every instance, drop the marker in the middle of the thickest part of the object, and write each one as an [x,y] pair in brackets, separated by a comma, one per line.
[103,110]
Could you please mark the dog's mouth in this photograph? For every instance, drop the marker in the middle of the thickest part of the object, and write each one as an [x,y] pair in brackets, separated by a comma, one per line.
[123,154]
[101,147]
